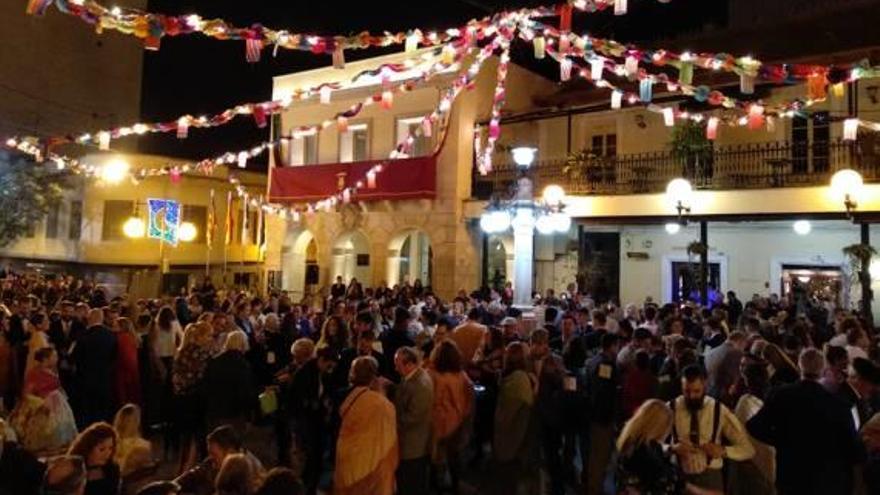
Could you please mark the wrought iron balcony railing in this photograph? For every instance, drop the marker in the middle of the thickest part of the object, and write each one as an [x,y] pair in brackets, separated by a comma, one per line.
[746,166]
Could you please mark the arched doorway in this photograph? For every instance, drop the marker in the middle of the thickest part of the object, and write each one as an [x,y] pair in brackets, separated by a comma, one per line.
[299,263]
[410,258]
[351,258]
[500,258]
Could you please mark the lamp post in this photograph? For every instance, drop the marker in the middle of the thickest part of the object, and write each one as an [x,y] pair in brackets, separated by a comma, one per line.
[525,214]
[847,187]
[679,194]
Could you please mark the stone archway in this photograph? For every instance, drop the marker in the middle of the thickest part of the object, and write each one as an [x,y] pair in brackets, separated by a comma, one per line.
[351,258]
[299,263]
[410,258]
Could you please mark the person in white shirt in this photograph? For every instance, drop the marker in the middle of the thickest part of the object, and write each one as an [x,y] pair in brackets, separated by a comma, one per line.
[705,432]
[758,475]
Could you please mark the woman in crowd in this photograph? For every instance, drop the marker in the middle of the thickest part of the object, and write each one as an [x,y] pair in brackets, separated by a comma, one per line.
[757,475]
[43,418]
[128,382]
[228,388]
[39,326]
[166,336]
[97,446]
[133,452]
[334,334]
[643,468]
[453,406]
[235,476]
[187,373]
[515,441]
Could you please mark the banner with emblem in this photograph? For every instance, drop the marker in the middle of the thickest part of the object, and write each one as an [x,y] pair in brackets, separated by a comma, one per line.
[164,222]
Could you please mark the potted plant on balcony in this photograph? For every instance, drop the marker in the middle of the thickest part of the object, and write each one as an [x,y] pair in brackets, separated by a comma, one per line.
[692,149]
[579,166]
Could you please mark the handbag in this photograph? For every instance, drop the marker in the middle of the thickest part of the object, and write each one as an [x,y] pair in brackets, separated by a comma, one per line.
[268,402]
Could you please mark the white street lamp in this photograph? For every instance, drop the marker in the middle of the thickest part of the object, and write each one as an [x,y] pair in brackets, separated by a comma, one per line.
[680,194]
[114,171]
[802,227]
[673,228]
[134,228]
[846,187]
[524,156]
[187,232]
[554,195]
[545,225]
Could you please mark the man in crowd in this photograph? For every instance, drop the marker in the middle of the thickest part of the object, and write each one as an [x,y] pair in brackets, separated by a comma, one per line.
[722,367]
[413,402]
[859,390]
[603,384]
[813,432]
[705,432]
[222,442]
[94,356]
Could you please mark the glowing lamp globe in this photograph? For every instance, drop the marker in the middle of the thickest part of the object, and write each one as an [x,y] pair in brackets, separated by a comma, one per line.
[114,171]
[524,156]
[673,228]
[545,225]
[493,222]
[554,195]
[802,227]
[561,222]
[679,191]
[187,232]
[846,183]
[134,228]
[874,269]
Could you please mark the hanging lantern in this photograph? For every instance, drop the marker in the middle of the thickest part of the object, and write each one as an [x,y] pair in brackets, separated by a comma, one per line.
[412,42]
[631,66]
[342,123]
[686,73]
[427,127]
[712,128]
[252,50]
[646,89]
[346,195]
[565,69]
[838,90]
[746,84]
[242,159]
[259,114]
[447,56]
[597,64]
[174,175]
[756,117]
[387,99]
[620,7]
[616,99]
[850,129]
[182,128]
[371,179]
[325,93]
[668,117]
[339,55]
[817,86]
[540,46]
[103,140]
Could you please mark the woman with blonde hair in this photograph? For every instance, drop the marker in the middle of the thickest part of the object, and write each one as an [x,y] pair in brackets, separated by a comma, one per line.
[334,334]
[133,452]
[186,376]
[235,476]
[643,467]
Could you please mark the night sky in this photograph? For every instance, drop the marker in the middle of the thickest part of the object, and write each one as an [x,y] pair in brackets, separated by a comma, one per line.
[195,75]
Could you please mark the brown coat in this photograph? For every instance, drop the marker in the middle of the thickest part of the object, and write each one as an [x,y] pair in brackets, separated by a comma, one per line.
[468,337]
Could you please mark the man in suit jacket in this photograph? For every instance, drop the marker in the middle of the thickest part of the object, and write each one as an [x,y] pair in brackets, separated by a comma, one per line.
[94,355]
[414,401]
[722,366]
[813,432]
[859,388]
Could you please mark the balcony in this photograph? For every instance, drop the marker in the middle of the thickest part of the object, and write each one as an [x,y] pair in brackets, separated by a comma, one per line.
[746,166]
[408,178]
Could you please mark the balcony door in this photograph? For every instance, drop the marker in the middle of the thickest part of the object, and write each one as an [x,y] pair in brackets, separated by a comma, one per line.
[810,139]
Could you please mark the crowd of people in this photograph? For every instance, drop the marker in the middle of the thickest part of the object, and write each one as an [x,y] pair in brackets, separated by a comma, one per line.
[393,390]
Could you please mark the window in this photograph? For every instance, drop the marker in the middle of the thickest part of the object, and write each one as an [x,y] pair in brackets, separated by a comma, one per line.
[116,212]
[74,223]
[31,230]
[354,144]
[304,148]
[411,127]
[52,221]
[604,145]
[198,216]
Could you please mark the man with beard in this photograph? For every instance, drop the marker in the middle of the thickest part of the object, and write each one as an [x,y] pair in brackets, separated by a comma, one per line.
[705,432]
